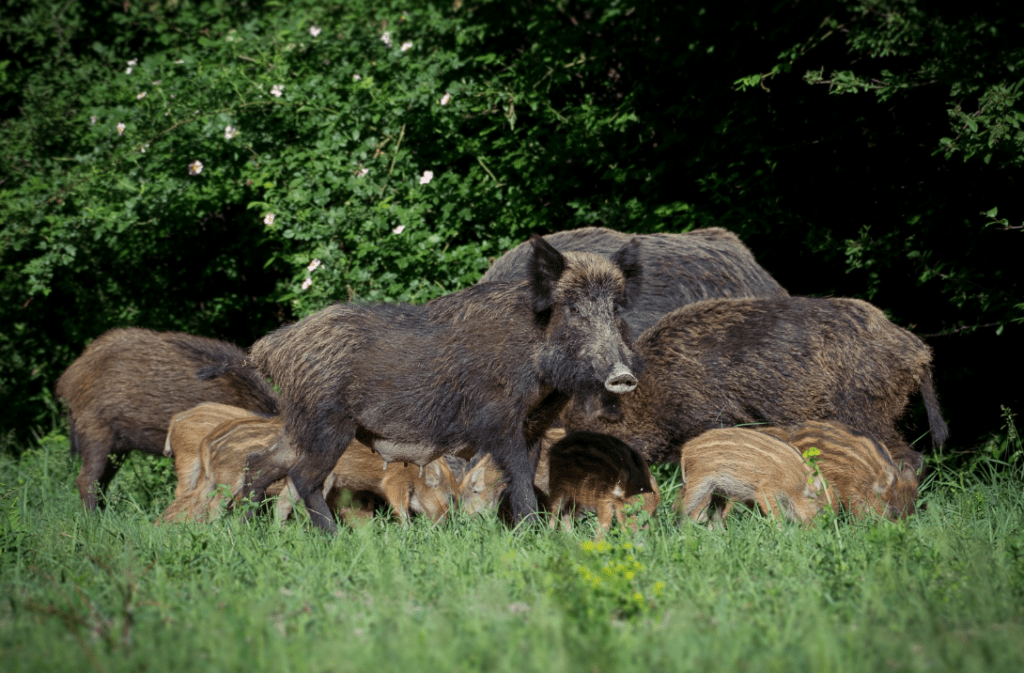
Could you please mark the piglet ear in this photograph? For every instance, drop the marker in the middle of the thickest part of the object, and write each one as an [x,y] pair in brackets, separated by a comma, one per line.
[627,258]
[546,267]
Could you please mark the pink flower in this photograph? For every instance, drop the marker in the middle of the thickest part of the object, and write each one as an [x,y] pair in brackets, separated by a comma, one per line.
[313,266]
[406,46]
[141,95]
[120,128]
[386,38]
[399,229]
[277,90]
[230,132]
[268,219]
[446,98]
[427,177]
[361,173]
[306,283]
[314,30]
[195,168]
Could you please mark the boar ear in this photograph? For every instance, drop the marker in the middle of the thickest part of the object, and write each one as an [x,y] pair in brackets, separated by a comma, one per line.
[627,258]
[546,267]
[432,474]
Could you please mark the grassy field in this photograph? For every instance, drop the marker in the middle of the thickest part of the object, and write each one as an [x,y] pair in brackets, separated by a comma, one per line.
[111,591]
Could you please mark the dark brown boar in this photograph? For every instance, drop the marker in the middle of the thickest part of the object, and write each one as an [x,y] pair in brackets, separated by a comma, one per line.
[728,362]
[679,269]
[487,368]
[599,473]
[126,385]
[861,475]
[730,465]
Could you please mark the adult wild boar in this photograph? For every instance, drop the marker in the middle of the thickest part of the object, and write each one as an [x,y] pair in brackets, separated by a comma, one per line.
[487,368]
[727,362]
[126,385]
[679,269]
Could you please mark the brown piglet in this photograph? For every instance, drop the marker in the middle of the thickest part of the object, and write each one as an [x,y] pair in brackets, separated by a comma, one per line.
[595,472]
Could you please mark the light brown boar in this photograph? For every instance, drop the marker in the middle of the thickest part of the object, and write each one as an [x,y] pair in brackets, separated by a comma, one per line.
[186,432]
[224,452]
[861,475]
[481,484]
[594,472]
[729,465]
[222,456]
[123,389]
[407,488]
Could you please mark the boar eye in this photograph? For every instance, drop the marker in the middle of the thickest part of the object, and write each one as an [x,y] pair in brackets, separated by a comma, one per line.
[574,309]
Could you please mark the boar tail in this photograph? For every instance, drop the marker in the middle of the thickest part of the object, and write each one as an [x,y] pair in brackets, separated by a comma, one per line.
[259,390]
[940,431]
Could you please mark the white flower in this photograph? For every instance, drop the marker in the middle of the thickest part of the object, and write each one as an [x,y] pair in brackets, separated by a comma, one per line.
[399,229]
[128,70]
[179,62]
[268,219]
[92,120]
[427,177]
[386,38]
[143,148]
[446,98]
[362,172]
[134,61]
[406,46]
[156,82]
[230,132]
[141,95]
[306,283]
[195,168]
[356,78]
[277,90]
[120,128]
[314,31]
[313,266]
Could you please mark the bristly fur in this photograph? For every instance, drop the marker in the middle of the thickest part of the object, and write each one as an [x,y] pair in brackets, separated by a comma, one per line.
[595,472]
[126,385]
[743,465]
[471,370]
[727,362]
[678,269]
[861,474]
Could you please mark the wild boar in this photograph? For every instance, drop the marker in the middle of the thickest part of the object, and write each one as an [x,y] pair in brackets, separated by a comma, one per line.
[679,269]
[481,484]
[727,362]
[489,368]
[595,472]
[187,431]
[224,451]
[126,385]
[861,474]
[743,465]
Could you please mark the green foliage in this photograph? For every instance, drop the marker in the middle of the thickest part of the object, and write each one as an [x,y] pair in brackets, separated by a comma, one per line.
[556,115]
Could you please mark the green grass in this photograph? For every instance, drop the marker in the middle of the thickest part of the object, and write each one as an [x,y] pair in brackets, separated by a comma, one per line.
[111,591]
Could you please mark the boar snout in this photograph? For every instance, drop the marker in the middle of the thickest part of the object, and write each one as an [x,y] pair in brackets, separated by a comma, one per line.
[621,381]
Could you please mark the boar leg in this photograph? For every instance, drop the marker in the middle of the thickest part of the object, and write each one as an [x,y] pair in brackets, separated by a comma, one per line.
[605,511]
[396,492]
[97,469]
[513,458]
